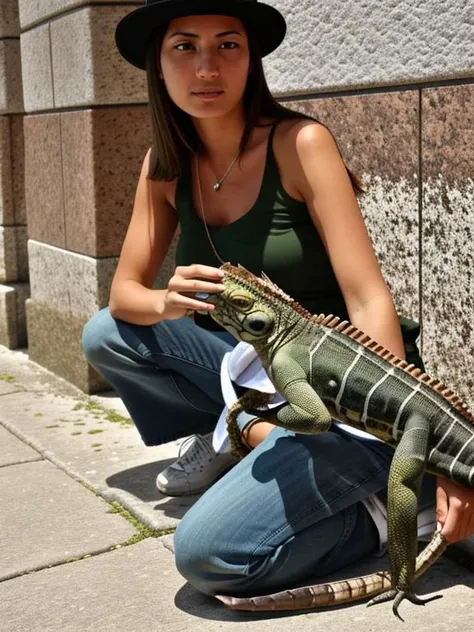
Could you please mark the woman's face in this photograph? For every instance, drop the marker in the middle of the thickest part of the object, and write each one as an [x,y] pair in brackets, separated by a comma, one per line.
[205,63]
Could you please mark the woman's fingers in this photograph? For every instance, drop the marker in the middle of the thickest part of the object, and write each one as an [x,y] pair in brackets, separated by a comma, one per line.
[197,270]
[177,299]
[192,286]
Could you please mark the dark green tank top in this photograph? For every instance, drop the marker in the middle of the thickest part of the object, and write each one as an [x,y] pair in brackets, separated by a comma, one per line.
[276,236]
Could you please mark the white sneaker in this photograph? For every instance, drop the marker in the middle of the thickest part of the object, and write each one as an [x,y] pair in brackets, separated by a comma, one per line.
[196,469]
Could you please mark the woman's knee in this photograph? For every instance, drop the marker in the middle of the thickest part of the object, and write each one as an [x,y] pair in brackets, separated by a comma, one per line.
[207,559]
[97,337]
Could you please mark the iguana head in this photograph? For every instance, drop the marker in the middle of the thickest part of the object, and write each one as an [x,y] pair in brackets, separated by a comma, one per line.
[250,308]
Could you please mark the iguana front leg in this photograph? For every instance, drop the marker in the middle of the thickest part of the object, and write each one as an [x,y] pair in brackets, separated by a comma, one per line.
[249,401]
[305,411]
[406,474]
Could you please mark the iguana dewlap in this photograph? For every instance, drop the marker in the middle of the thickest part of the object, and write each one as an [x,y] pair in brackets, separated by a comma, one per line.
[328,370]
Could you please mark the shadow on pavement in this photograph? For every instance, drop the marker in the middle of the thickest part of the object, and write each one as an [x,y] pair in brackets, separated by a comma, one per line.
[437,580]
[140,482]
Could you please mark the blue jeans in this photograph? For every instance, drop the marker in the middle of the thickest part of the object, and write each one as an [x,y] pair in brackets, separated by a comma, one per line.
[288,511]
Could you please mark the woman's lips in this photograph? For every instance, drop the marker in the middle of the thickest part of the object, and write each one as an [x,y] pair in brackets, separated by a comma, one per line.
[208,96]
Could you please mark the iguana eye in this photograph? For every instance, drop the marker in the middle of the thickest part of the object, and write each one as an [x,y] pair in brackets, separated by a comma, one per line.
[241,302]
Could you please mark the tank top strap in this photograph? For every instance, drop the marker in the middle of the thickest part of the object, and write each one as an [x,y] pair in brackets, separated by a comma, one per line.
[272,174]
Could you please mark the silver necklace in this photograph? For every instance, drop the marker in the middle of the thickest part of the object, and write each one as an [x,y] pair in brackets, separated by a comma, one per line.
[218,183]
[202,210]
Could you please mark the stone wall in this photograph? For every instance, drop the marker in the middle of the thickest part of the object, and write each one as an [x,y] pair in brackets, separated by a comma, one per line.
[394,81]
[14,288]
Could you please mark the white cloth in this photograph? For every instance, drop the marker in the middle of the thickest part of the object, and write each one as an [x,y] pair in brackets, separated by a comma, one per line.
[243,366]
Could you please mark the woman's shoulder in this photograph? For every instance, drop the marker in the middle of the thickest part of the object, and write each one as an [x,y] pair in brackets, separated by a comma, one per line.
[160,189]
[295,141]
[300,134]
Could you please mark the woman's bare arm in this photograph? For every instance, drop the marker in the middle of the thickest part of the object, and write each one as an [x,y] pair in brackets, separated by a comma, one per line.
[321,178]
[151,229]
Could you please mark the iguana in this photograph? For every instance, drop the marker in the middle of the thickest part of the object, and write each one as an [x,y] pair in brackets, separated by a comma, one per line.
[327,369]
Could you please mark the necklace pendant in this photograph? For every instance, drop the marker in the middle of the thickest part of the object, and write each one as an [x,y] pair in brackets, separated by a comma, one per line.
[216,186]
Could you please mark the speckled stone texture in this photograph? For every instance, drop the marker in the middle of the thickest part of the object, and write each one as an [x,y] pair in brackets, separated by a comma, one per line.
[448,236]
[9,20]
[43,179]
[378,138]
[87,67]
[11,89]
[32,11]
[103,151]
[61,351]
[13,255]
[6,193]
[352,44]
[68,282]
[18,168]
[12,169]
[37,69]
[12,315]
[66,290]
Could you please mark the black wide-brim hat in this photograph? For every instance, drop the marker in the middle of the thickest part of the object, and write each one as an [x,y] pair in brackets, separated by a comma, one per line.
[134,31]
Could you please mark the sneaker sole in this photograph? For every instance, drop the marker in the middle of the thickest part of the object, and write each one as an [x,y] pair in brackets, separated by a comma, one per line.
[178,494]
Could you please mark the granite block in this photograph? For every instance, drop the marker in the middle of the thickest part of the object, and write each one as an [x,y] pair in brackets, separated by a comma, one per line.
[32,12]
[13,332]
[13,254]
[103,150]
[378,137]
[69,282]
[11,88]
[61,353]
[448,236]
[9,18]
[6,189]
[87,67]
[18,168]
[37,69]
[43,179]
[338,45]
[117,81]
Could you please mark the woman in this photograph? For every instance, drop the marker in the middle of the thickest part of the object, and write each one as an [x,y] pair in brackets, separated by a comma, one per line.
[262,186]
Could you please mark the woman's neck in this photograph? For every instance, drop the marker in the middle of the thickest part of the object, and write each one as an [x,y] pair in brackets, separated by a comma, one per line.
[221,137]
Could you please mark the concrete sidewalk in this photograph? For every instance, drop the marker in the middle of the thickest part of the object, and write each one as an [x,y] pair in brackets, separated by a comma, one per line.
[86,538]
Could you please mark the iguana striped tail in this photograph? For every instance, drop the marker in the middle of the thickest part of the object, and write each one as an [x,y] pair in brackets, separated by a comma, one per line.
[336,593]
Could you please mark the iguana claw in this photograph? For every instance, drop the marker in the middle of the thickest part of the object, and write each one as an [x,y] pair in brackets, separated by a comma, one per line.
[398,596]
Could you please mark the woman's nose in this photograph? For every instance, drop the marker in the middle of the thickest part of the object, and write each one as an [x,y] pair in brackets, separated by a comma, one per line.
[207,67]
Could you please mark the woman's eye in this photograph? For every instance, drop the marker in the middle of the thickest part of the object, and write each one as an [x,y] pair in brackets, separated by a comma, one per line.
[229,45]
[184,46]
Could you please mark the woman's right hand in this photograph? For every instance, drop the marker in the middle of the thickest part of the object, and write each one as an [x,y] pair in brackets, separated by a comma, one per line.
[185,282]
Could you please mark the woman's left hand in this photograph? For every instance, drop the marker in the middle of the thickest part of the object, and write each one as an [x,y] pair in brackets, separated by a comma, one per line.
[454,510]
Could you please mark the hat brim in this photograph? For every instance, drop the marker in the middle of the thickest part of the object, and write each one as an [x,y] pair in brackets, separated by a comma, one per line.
[133,32]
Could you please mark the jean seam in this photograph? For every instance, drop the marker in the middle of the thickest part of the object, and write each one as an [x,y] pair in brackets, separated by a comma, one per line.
[210,412]
[191,362]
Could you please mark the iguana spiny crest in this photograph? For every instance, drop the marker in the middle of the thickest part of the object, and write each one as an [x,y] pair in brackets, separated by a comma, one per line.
[250,308]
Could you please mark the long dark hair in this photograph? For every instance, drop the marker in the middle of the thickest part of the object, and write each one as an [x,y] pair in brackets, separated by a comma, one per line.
[174,137]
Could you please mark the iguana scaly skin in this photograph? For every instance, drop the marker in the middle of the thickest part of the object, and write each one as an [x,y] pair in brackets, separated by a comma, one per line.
[327,369]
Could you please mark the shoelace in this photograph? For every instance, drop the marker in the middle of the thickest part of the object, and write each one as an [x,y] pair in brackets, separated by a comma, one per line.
[198,451]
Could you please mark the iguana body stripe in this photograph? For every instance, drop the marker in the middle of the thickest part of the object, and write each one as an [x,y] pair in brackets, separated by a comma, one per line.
[401,409]
[346,374]
[371,392]
[459,454]
[327,369]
